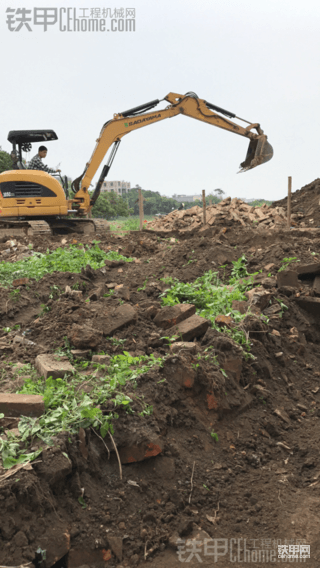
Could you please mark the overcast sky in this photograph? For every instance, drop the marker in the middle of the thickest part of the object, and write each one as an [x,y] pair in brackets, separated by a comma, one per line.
[259,60]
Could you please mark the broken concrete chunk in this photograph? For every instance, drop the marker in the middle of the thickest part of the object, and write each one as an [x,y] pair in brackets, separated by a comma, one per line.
[123,316]
[195,326]
[21,404]
[287,278]
[49,366]
[171,315]
[82,336]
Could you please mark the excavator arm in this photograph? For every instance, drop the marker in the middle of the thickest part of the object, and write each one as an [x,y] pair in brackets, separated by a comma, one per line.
[259,151]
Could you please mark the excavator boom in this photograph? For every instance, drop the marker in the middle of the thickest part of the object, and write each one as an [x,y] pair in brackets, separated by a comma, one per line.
[259,150]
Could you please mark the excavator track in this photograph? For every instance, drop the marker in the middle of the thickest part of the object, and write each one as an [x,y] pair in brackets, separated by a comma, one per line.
[39,227]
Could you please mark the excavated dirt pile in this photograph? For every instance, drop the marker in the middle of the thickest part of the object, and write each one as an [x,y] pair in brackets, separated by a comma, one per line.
[216,461]
[227,212]
[305,205]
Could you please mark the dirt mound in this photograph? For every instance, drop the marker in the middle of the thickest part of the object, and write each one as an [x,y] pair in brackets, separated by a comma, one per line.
[305,211]
[227,212]
[217,444]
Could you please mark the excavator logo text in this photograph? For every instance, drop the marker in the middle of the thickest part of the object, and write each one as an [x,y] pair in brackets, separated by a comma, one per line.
[142,120]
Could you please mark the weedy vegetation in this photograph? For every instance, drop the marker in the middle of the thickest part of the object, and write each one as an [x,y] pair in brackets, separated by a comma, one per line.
[68,407]
[69,259]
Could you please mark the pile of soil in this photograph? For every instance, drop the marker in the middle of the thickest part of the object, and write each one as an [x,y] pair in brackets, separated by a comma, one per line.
[231,449]
[227,212]
[304,205]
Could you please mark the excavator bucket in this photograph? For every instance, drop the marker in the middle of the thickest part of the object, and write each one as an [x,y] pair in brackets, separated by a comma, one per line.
[259,152]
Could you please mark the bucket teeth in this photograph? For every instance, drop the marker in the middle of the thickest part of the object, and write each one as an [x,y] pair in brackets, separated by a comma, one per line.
[259,152]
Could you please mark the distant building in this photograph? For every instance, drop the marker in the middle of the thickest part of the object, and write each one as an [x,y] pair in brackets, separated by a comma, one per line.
[186,198]
[119,187]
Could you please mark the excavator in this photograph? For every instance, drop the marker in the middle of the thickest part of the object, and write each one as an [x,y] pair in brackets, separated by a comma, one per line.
[32,202]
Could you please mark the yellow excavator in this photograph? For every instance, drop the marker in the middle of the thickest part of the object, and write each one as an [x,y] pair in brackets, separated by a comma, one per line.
[34,202]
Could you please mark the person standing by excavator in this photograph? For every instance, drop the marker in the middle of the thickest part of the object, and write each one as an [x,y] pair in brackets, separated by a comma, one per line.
[36,162]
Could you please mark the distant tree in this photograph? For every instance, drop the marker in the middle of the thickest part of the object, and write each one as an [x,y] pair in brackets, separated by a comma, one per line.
[5,161]
[109,205]
[219,192]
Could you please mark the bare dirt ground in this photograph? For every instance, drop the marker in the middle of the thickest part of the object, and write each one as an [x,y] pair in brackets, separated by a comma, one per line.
[227,500]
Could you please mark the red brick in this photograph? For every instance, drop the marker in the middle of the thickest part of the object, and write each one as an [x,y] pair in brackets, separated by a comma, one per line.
[20,282]
[135,453]
[195,326]
[223,320]
[212,402]
[123,316]
[21,404]
[171,315]
[49,366]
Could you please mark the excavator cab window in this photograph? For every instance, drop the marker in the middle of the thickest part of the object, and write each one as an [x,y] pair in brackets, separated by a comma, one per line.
[22,140]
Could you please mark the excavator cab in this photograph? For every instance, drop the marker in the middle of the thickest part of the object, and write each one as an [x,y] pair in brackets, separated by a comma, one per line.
[22,140]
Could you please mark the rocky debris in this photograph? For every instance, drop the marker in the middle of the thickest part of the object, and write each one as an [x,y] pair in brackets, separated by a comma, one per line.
[21,404]
[101,359]
[83,336]
[123,292]
[81,353]
[183,346]
[121,317]
[115,543]
[55,466]
[96,294]
[194,326]
[311,305]
[308,269]
[49,365]
[171,315]
[258,297]
[148,447]
[179,369]
[304,206]
[228,210]
[287,278]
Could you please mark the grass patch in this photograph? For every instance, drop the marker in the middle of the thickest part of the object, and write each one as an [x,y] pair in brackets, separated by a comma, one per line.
[212,297]
[68,408]
[69,259]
